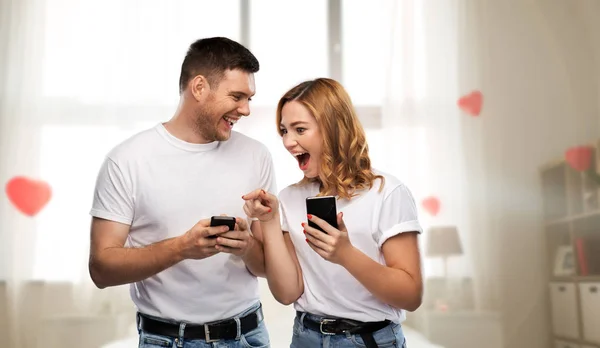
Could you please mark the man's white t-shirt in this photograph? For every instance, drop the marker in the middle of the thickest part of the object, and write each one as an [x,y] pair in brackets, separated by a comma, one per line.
[371,218]
[162,186]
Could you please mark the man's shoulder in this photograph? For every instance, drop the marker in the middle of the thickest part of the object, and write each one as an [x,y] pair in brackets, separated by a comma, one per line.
[241,138]
[246,143]
[134,146]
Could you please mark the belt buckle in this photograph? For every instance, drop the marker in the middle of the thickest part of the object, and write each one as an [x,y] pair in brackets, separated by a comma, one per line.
[324,321]
[207,335]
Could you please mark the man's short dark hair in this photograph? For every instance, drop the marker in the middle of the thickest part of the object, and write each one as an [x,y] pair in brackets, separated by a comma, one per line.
[211,57]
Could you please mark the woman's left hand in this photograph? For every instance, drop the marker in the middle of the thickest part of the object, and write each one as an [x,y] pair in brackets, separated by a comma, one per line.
[334,245]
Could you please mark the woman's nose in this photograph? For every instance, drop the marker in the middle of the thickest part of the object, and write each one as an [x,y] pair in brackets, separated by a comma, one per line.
[289,142]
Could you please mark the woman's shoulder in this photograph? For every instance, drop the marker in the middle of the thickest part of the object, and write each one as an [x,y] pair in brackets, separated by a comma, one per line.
[296,190]
[390,182]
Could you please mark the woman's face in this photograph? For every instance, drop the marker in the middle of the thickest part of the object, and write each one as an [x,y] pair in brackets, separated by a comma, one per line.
[302,137]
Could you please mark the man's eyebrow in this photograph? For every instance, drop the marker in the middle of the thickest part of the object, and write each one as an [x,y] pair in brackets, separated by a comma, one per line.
[242,93]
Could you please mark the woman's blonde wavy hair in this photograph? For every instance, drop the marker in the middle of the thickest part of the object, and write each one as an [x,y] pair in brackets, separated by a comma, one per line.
[345,163]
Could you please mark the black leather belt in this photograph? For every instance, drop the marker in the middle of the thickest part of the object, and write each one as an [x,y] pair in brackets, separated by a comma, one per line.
[338,326]
[211,332]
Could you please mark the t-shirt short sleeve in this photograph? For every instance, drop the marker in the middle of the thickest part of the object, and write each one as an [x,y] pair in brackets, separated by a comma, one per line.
[284,223]
[398,215]
[112,196]
[267,175]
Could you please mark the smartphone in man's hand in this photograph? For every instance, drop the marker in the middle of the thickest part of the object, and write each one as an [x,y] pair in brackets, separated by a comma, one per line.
[228,221]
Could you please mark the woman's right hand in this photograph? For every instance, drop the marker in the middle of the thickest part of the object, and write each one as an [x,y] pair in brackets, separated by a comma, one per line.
[261,205]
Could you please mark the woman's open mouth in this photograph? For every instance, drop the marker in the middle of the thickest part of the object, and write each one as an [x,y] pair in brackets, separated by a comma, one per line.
[303,160]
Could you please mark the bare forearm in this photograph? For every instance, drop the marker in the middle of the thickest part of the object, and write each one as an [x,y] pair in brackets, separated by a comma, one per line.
[120,265]
[392,286]
[283,276]
[255,259]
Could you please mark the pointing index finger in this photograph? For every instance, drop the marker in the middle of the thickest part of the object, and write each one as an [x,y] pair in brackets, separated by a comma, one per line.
[252,195]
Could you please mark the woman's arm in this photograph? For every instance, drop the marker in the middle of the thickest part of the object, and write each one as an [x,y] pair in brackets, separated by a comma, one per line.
[282,268]
[399,283]
[284,275]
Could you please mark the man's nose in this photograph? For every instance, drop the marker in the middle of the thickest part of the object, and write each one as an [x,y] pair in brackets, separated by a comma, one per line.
[244,108]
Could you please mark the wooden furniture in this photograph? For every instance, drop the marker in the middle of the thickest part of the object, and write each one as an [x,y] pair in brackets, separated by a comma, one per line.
[572,229]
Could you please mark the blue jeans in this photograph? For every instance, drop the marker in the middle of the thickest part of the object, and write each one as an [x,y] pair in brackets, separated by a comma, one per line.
[390,336]
[257,338]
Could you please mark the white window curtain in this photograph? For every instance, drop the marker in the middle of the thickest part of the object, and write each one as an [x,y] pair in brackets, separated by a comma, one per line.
[432,62]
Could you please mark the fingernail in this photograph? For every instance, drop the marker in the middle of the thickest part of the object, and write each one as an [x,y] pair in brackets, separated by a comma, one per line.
[302,224]
[306,240]
[269,210]
[304,231]
[243,196]
[263,191]
[309,216]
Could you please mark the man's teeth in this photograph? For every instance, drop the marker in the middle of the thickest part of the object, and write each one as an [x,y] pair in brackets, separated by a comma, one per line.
[230,120]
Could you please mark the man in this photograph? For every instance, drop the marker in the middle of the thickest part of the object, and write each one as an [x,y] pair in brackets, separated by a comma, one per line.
[191,283]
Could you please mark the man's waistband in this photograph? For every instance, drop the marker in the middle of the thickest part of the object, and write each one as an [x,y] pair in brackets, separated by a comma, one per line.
[231,328]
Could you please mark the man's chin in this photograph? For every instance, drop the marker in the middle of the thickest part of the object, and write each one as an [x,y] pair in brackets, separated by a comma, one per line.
[224,136]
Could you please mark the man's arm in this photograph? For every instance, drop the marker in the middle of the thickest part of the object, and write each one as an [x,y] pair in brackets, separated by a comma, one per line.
[254,257]
[112,264]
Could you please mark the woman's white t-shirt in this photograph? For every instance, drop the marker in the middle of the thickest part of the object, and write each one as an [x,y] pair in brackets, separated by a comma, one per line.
[371,218]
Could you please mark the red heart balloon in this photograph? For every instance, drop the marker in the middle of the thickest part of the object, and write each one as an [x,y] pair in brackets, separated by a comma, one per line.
[431,205]
[471,103]
[28,195]
[579,157]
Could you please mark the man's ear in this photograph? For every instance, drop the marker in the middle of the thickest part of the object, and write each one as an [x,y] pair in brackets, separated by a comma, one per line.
[199,87]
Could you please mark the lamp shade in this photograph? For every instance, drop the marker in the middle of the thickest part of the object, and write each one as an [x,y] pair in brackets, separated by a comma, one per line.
[443,241]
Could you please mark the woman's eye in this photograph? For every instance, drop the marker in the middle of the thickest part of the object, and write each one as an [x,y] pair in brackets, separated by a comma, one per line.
[283,131]
[300,130]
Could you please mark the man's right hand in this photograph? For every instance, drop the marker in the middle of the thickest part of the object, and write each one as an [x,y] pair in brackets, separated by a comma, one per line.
[199,242]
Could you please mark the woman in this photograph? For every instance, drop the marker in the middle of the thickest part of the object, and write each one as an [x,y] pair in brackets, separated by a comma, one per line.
[351,285]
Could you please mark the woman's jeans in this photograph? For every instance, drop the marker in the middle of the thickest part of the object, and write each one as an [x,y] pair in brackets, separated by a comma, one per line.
[257,338]
[389,336]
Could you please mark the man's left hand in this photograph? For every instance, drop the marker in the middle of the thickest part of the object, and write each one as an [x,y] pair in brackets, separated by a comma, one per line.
[236,242]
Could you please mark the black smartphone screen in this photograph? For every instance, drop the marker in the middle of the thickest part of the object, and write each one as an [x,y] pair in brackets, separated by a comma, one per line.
[322,207]
[228,221]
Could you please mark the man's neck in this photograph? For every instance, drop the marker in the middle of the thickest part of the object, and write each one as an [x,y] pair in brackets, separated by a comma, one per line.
[183,127]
